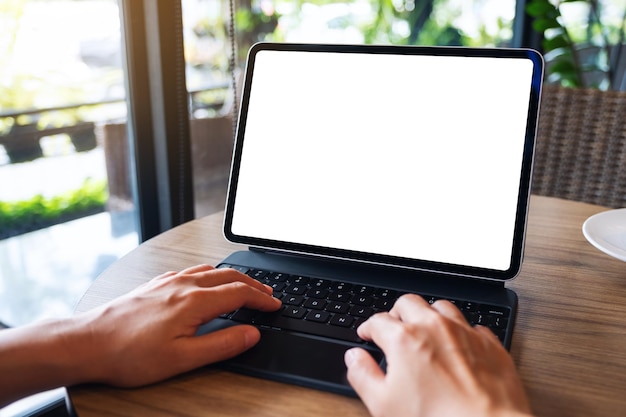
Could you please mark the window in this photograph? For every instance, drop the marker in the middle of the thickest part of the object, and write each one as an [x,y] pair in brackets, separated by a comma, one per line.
[208,51]
[66,212]
[62,76]
[434,22]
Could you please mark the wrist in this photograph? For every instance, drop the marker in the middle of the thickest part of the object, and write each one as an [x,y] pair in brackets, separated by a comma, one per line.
[63,350]
[60,349]
[41,356]
[512,413]
[77,350]
[505,403]
[517,414]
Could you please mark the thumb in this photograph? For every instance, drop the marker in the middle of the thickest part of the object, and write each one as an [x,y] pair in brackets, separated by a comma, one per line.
[220,345]
[364,374]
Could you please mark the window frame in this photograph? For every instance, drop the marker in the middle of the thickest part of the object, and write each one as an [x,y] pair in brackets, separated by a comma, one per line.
[158,120]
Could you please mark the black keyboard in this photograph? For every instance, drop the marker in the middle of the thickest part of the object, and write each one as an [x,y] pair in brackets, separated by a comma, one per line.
[335,309]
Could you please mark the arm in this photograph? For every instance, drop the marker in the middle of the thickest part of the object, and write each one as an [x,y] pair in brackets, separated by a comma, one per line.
[142,337]
[437,365]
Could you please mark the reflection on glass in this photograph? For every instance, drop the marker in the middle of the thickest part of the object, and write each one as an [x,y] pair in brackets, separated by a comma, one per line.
[207,29]
[65,207]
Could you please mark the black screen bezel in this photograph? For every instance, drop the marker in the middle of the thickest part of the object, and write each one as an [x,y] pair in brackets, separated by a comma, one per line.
[449,269]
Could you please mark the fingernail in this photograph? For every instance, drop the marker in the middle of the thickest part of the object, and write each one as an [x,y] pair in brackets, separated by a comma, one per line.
[251,338]
[350,356]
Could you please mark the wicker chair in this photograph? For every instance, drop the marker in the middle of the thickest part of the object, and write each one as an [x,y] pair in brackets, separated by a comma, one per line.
[581,146]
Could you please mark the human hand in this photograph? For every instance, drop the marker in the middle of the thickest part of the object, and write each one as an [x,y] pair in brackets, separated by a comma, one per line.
[149,334]
[437,365]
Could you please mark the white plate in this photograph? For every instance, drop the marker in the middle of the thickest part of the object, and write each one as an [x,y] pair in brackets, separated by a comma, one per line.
[607,232]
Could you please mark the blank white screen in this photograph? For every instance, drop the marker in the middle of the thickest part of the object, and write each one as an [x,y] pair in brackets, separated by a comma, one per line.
[402,155]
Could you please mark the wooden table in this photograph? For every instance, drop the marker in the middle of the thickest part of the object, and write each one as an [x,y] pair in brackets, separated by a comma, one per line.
[569,342]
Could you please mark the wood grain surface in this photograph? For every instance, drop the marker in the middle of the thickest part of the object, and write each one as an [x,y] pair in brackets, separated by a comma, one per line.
[569,342]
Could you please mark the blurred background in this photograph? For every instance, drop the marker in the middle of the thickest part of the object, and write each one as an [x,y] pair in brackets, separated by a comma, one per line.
[69,201]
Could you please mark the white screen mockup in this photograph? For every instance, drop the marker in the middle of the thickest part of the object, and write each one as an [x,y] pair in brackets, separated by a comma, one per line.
[410,156]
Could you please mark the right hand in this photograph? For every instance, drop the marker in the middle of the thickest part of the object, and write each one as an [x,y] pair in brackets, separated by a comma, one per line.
[437,365]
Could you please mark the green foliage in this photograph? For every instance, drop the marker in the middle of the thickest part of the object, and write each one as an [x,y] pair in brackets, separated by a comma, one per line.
[428,22]
[47,85]
[399,22]
[557,43]
[254,25]
[562,44]
[39,212]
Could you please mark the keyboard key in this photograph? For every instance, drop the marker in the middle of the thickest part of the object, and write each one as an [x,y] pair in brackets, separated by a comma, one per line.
[469,306]
[361,311]
[337,307]
[315,304]
[385,293]
[341,320]
[257,274]
[317,293]
[294,300]
[307,326]
[472,318]
[242,269]
[340,286]
[500,322]
[295,312]
[384,304]
[363,290]
[431,299]
[340,296]
[495,310]
[363,300]
[300,280]
[277,277]
[485,320]
[296,289]
[318,316]
[320,283]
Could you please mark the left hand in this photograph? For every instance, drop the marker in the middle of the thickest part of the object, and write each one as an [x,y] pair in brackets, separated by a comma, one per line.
[149,334]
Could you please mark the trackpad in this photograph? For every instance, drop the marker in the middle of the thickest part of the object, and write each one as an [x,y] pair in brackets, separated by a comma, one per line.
[298,359]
